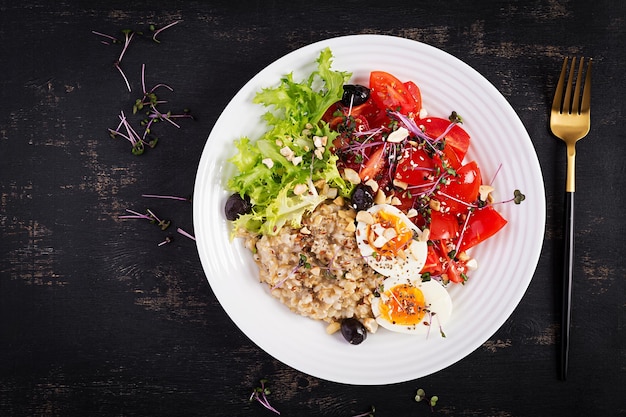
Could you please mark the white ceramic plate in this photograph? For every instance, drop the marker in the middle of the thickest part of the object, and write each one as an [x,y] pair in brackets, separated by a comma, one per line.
[506,262]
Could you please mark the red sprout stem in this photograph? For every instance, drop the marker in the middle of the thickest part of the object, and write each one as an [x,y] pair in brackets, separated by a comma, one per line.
[104,35]
[458,242]
[496,174]
[170,197]
[187,235]
[117,66]
[162,29]
[135,215]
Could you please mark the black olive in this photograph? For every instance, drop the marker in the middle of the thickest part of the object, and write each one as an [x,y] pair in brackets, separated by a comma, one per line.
[353,331]
[362,197]
[354,95]
[236,205]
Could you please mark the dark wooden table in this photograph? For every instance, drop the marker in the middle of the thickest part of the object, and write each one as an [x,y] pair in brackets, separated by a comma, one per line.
[96,319]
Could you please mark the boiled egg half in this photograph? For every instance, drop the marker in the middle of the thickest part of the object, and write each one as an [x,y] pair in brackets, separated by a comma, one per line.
[389,242]
[410,305]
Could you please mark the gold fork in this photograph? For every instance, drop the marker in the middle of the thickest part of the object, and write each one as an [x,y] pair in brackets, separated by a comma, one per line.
[570,121]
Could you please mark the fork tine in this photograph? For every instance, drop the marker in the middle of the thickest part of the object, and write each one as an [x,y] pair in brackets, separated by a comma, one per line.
[558,95]
[586,103]
[579,80]
[568,89]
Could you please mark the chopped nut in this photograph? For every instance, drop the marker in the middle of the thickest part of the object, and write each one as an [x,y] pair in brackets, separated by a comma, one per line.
[372,184]
[305,230]
[380,197]
[287,153]
[463,256]
[300,189]
[339,201]
[351,227]
[434,204]
[484,191]
[315,271]
[351,175]
[370,324]
[380,241]
[398,135]
[268,162]
[395,201]
[390,233]
[400,184]
[472,264]
[365,217]
[333,327]
[296,160]
[424,236]
[411,213]
[331,193]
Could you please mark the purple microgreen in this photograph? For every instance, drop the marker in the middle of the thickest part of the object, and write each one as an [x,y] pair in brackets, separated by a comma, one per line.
[167,240]
[187,235]
[117,66]
[260,394]
[128,36]
[163,224]
[463,229]
[111,39]
[517,198]
[156,32]
[135,215]
[496,174]
[369,413]
[470,205]
[168,197]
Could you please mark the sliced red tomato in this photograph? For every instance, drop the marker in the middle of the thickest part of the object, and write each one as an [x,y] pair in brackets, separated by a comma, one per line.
[374,166]
[462,189]
[482,224]
[389,93]
[456,271]
[415,167]
[443,225]
[433,264]
[457,138]
[415,92]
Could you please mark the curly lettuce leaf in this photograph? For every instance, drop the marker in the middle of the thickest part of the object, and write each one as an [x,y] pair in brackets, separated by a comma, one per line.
[285,156]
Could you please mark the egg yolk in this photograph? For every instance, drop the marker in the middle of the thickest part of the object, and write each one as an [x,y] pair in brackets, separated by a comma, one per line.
[404,305]
[404,234]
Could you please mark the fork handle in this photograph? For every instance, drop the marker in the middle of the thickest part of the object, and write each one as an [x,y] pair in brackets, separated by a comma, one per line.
[568,257]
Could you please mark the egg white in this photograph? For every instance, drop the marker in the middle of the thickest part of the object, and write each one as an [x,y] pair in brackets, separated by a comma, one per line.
[415,254]
[437,302]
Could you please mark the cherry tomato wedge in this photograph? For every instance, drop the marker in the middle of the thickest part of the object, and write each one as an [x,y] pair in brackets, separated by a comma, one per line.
[415,92]
[390,93]
[443,225]
[462,190]
[482,224]
[457,138]
[433,264]
[374,165]
[416,168]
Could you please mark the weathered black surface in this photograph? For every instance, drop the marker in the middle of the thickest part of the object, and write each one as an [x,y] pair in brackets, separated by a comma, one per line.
[96,320]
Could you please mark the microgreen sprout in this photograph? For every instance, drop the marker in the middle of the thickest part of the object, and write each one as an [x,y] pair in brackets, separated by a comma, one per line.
[260,394]
[167,197]
[163,224]
[187,235]
[369,413]
[420,396]
[167,240]
[157,31]
[150,101]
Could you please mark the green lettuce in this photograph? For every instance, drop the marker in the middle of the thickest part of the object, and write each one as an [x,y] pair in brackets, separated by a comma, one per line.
[286,156]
